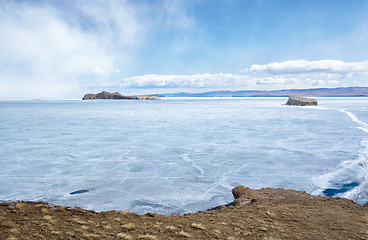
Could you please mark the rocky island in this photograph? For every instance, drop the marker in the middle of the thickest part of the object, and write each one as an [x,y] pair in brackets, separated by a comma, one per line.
[257,214]
[301,101]
[116,96]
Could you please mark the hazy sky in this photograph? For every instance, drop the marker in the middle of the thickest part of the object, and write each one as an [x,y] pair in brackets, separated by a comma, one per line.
[63,49]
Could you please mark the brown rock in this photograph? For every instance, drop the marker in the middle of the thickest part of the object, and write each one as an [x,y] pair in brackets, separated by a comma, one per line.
[89,96]
[106,95]
[116,95]
[301,101]
[239,190]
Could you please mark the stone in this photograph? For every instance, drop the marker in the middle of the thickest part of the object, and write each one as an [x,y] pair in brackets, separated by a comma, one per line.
[244,195]
[239,190]
[301,101]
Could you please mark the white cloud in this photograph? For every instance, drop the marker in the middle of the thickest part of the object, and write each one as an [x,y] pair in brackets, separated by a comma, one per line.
[49,52]
[61,48]
[116,23]
[222,81]
[346,69]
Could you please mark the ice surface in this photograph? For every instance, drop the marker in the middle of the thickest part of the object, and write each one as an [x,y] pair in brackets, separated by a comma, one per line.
[178,155]
[350,178]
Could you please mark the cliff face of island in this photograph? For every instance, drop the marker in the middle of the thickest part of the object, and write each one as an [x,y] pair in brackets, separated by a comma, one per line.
[116,96]
[301,101]
[258,214]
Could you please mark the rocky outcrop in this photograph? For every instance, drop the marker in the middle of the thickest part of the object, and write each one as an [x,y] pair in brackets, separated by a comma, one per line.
[145,97]
[245,196]
[106,95]
[89,96]
[301,101]
[116,95]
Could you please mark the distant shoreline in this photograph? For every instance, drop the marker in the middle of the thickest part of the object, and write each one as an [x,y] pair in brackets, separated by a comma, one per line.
[312,92]
[347,96]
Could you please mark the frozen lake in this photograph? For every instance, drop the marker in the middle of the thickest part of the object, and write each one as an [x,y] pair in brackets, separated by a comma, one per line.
[179,155]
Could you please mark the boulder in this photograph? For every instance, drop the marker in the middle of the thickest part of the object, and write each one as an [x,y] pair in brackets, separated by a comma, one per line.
[301,101]
[244,195]
[239,190]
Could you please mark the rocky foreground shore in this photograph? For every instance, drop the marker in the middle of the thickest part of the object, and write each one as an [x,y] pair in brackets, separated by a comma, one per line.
[257,214]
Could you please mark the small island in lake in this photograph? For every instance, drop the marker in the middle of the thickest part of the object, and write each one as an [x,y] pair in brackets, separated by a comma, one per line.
[116,96]
[301,101]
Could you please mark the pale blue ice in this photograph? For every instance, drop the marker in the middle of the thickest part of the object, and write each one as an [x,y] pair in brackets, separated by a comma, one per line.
[179,155]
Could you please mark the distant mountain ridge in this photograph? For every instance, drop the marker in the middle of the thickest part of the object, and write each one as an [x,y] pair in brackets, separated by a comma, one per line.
[312,92]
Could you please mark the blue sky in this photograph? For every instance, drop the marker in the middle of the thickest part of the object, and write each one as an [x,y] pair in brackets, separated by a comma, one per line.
[63,49]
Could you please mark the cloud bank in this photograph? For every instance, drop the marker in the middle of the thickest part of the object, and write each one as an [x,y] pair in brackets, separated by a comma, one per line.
[307,67]
[287,74]
[215,81]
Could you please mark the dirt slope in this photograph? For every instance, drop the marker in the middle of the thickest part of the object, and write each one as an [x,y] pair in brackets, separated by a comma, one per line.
[271,214]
